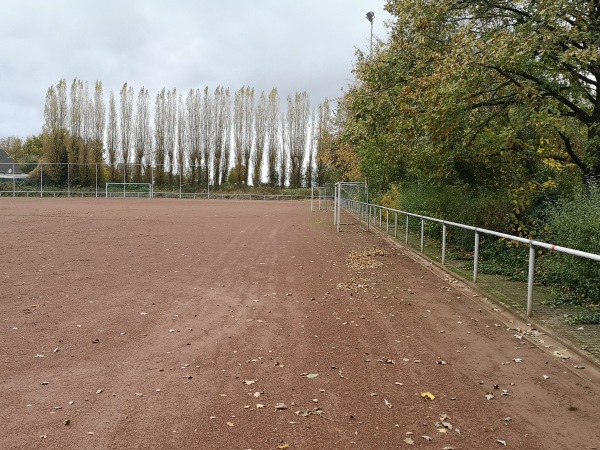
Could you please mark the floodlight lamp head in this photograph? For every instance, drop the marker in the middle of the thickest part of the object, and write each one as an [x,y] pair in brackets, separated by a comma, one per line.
[370,16]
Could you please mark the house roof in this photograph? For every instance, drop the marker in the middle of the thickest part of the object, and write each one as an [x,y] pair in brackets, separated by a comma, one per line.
[6,164]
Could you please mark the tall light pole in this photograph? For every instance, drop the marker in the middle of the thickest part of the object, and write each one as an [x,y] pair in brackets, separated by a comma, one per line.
[370,17]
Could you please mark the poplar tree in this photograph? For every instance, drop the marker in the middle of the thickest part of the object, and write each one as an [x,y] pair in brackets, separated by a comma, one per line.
[273,142]
[142,136]
[182,136]
[261,138]
[194,133]
[126,128]
[55,132]
[298,115]
[112,137]
[160,125]
[226,127]
[322,138]
[171,130]
[98,114]
[221,133]
[77,108]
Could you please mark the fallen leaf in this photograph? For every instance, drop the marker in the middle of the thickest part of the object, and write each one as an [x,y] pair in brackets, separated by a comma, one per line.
[501,442]
[409,441]
[283,446]
[229,424]
[489,396]
[560,355]
[427,438]
[428,396]
[545,377]
[259,406]
[312,375]
[280,406]
[517,360]
[249,382]
[388,404]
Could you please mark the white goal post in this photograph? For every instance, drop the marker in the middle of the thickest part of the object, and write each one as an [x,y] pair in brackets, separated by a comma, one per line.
[322,194]
[351,195]
[129,190]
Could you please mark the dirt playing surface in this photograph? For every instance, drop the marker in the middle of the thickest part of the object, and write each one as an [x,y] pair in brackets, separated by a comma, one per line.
[254,325]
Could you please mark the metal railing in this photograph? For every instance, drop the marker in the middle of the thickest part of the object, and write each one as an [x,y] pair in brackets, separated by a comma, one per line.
[374,213]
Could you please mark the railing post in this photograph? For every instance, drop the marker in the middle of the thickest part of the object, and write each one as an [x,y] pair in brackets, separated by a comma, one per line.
[387,221]
[380,212]
[395,224]
[97,180]
[14,182]
[41,179]
[443,244]
[476,256]
[422,235]
[407,216]
[530,278]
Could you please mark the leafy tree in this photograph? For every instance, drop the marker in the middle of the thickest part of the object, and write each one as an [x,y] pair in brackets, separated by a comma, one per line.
[112,137]
[55,135]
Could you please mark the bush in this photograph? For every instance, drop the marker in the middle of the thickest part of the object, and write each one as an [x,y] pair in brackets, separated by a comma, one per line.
[456,204]
[575,223]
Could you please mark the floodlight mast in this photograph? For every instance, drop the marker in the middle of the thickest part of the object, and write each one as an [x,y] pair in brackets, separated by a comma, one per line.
[370,17]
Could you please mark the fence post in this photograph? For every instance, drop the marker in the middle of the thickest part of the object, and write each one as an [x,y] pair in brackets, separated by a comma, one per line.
[407,216]
[335,191]
[41,179]
[443,243]
[14,182]
[476,256]
[339,206]
[395,224]
[312,198]
[422,235]
[96,180]
[387,221]
[530,279]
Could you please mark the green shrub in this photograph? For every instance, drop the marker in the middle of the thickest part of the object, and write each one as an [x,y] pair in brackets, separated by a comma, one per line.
[574,223]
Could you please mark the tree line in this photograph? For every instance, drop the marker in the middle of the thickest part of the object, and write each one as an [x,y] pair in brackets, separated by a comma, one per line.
[217,137]
[485,95]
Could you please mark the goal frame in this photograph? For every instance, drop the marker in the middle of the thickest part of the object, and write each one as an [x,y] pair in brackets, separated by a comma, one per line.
[343,201]
[149,185]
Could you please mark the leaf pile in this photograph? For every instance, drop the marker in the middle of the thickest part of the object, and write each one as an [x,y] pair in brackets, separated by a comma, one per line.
[365,259]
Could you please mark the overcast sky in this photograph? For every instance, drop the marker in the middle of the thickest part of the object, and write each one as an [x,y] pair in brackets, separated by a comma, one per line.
[293,45]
